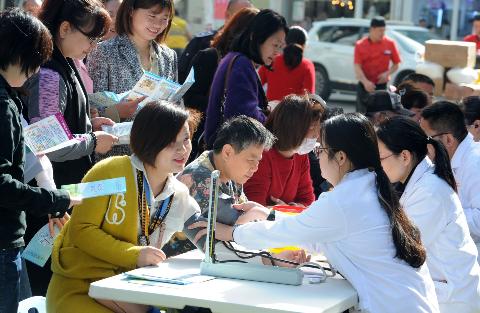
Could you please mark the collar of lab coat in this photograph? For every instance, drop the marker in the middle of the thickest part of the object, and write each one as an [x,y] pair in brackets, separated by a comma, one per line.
[463,149]
[353,175]
[425,166]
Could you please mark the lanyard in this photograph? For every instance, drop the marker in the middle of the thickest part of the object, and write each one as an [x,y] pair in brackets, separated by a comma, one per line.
[147,228]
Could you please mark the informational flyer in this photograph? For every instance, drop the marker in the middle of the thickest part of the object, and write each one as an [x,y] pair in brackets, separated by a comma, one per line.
[121,130]
[151,86]
[97,188]
[39,249]
[49,134]
[167,275]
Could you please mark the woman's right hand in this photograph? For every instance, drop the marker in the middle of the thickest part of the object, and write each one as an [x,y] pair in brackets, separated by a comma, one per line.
[127,108]
[150,256]
[105,142]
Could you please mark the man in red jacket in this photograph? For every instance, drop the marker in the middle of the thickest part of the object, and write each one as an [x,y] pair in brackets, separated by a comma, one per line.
[475,37]
[372,61]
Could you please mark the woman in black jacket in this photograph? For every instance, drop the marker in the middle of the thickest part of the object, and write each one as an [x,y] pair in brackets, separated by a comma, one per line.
[24,34]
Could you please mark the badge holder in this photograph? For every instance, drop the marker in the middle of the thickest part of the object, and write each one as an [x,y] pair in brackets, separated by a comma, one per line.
[245,271]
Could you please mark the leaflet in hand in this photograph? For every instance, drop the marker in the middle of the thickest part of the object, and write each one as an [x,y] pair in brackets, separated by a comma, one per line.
[165,274]
[106,98]
[49,134]
[39,249]
[121,130]
[97,188]
[155,87]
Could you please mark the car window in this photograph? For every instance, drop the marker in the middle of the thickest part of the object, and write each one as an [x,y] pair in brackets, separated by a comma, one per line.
[345,35]
[324,33]
[418,35]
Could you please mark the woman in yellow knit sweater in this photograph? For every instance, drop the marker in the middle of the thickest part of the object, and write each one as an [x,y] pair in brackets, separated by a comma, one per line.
[112,234]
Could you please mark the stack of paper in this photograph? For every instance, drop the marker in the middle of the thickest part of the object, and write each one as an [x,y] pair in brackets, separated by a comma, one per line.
[167,275]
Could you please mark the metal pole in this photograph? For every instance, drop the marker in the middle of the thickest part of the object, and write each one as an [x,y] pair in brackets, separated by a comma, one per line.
[2,5]
[358,9]
[454,24]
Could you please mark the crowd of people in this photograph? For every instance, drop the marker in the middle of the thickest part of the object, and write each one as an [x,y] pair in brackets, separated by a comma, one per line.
[390,194]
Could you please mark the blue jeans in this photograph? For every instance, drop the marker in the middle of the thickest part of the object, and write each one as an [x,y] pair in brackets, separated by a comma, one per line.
[10,275]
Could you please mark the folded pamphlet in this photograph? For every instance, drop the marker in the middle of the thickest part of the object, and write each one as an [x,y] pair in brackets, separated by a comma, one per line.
[40,247]
[97,188]
[151,86]
[164,274]
[121,130]
[49,134]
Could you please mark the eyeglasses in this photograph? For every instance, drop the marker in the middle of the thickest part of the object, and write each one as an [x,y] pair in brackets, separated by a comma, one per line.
[439,134]
[318,150]
[93,40]
[384,158]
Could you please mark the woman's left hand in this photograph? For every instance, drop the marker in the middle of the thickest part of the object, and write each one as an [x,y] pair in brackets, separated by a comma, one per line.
[98,122]
[222,232]
[60,222]
[297,256]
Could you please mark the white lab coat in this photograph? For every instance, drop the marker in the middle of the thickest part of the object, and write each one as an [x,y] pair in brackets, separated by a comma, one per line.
[353,231]
[435,208]
[466,169]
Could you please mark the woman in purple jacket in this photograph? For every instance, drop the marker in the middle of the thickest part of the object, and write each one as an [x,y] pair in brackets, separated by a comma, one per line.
[236,88]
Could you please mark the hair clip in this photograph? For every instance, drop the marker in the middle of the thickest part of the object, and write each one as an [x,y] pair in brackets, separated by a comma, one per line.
[402,92]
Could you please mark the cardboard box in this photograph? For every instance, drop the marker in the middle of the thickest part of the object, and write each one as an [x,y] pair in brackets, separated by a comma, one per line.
[456,92]
[438,91]
[451,53]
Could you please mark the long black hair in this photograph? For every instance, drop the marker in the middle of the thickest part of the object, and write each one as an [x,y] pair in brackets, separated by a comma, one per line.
[293,52]
[264,24]
[400,133]
[353,134]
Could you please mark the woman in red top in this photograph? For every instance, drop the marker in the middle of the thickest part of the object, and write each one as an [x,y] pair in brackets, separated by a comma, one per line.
[283,175]
[291,73]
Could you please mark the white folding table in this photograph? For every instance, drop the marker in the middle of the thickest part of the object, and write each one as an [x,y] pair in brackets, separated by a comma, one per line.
[230,295]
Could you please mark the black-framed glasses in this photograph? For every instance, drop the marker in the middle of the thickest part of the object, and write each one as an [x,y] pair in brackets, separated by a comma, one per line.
[93,40]
[386,157]
[318,150]
[439,134]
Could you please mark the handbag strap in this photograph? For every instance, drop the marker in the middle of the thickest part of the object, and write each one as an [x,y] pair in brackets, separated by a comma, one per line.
[225,86]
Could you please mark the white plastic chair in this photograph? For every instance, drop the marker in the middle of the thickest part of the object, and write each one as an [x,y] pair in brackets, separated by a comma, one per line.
[37,302]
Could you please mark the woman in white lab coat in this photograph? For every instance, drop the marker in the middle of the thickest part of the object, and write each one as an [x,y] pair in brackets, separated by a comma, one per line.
[430,200]
[359,225]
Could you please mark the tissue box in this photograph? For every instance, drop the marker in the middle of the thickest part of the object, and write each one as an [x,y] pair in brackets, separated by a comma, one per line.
[451,53]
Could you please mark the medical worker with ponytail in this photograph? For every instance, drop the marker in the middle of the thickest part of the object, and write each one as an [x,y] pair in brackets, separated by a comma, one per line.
[429,198]
[359,225]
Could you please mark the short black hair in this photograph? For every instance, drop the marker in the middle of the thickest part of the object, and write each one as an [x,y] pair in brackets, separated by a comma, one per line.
[25,41]
[476,17]
[89,16]
[446,117]
[378,21]
[471,109]
[241,132]
[264,24]
[419,78]
[156,125]
[412,97]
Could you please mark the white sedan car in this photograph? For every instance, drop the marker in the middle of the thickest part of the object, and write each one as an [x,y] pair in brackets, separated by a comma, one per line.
[331,43]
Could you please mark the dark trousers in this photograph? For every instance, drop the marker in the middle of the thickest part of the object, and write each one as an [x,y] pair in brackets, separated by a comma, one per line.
[11,271]
[362,96]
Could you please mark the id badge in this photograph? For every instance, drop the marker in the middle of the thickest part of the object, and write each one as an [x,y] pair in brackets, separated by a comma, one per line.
[387,52]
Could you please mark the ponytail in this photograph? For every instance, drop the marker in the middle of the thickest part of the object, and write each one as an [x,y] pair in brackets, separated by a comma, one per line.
[293,52]
[361,149]
[443,169]
[406,236]
[293,55]
[400,133]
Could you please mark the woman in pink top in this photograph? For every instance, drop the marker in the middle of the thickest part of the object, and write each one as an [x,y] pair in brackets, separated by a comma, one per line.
[291,72]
